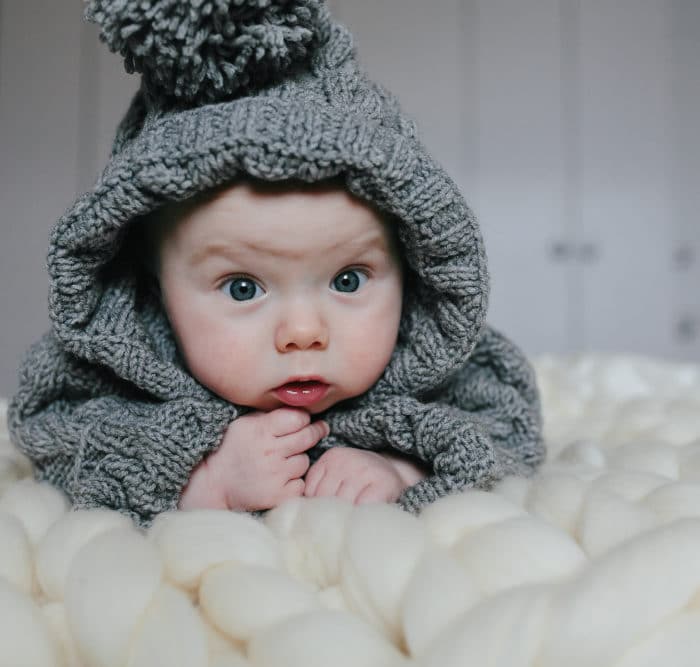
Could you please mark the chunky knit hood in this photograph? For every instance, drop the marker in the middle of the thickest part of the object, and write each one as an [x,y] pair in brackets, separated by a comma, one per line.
[269,90]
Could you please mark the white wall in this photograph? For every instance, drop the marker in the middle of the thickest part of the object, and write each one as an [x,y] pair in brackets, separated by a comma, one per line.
[571,126]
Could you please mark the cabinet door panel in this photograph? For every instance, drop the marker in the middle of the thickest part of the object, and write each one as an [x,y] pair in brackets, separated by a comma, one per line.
[627,212]
[521,176]
[685,188]
[482,79]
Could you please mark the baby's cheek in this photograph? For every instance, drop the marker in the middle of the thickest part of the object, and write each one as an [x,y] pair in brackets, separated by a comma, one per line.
[369,356]
[222,363]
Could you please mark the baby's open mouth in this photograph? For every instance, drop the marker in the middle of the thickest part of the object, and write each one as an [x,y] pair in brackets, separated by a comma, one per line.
[301,393]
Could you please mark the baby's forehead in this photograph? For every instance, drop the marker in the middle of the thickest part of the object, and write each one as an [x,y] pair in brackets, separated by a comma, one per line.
[281,219]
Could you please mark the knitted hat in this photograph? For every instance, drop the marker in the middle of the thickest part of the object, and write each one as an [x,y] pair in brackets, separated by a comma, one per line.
[269,89]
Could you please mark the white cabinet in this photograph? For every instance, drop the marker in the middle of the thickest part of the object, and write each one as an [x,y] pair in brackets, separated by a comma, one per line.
[520,190]
[624,162]
[571,127]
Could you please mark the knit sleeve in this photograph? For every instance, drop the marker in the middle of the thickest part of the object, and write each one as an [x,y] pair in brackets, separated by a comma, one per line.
[106,444]
[483,425]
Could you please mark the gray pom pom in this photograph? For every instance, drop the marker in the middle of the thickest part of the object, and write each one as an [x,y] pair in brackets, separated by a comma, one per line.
[208,50]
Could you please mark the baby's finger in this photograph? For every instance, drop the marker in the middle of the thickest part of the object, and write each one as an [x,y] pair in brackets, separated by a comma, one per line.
[372,493]
[297,465]
[306,438]
[284,421]
[313,478]
[328,485]
[350,490]
[294,488]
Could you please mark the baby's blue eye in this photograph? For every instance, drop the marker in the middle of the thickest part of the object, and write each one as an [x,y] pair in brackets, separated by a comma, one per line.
[349,281]
[242,289]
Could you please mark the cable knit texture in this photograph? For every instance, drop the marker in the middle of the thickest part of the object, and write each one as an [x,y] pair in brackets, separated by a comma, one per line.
[269,90]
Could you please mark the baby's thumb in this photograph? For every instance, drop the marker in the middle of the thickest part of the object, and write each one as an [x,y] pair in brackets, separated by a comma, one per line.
[322,429]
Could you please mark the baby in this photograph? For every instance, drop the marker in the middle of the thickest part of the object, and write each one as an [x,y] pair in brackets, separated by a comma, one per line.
[266,318]
[319,323]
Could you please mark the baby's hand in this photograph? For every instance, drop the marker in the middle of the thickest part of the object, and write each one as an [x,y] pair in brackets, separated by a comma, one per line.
[356,475]
[260,462]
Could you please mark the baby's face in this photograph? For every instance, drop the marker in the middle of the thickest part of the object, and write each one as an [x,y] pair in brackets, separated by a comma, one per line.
[282,297]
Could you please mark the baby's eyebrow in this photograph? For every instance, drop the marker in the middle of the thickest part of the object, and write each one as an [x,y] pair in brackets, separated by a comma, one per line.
[369,242]
[210,250]
[229,250]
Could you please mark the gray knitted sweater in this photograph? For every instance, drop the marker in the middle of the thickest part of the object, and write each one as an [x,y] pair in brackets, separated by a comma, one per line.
[106,409]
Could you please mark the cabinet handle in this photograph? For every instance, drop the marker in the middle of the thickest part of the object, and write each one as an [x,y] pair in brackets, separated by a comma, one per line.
[684,257]
[561,251]
[687,328]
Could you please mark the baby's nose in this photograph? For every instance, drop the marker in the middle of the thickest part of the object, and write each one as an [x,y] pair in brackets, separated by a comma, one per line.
[302,329]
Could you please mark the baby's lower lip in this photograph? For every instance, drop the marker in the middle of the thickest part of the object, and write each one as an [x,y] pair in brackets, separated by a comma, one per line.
[301,394]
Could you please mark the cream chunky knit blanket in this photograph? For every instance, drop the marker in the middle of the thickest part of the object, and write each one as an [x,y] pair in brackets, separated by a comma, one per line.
[594,562]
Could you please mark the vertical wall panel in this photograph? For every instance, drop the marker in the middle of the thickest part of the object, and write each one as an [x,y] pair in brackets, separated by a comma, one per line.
[108,92]
[415,49]
[39,100]
[521,176]
[87,111]
[625,174]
